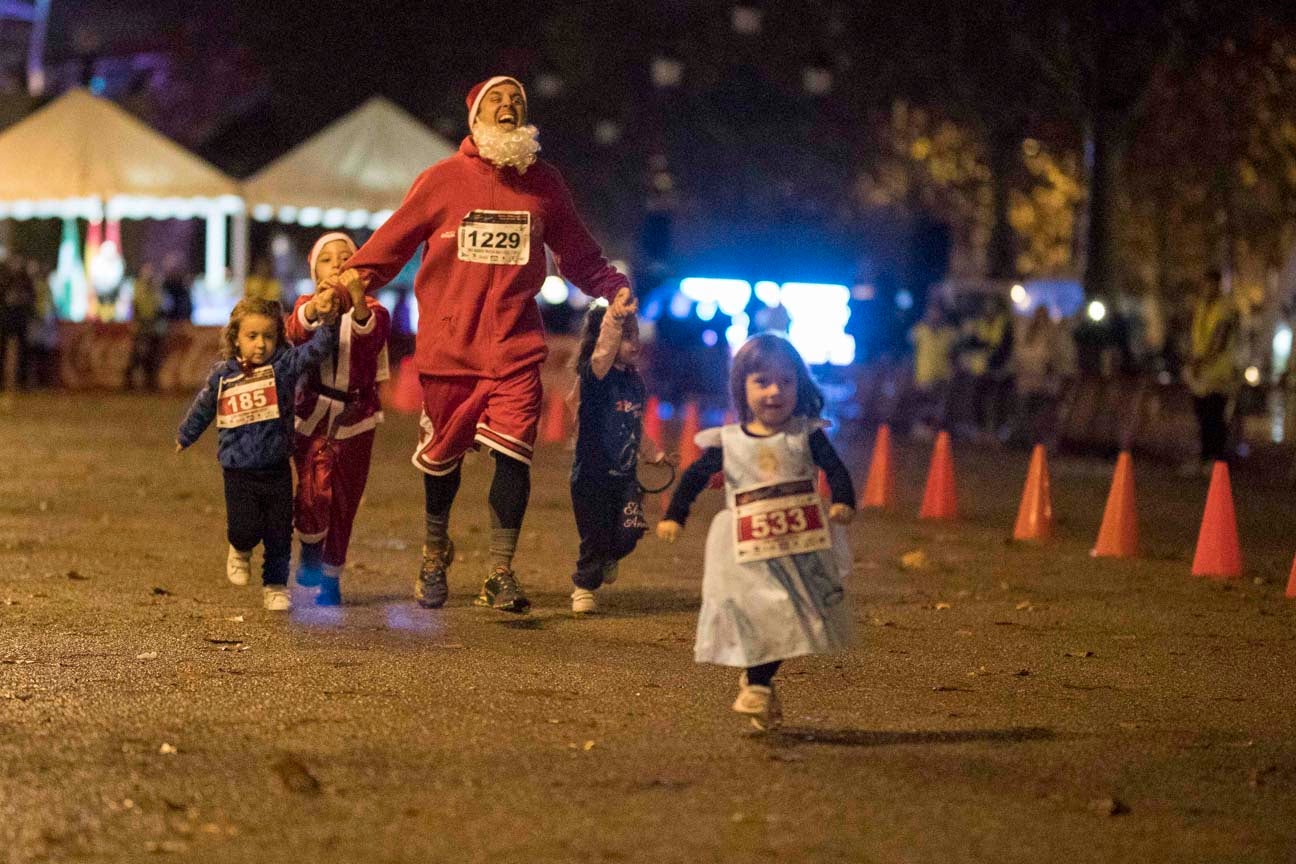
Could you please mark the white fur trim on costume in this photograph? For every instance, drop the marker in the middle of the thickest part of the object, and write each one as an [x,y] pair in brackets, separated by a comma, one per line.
[486,88]
[312,326]
[369,423]
[321,243]
[306,426]
[311,538]
[363,329]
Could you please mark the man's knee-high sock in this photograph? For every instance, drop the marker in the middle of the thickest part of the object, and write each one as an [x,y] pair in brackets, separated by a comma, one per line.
[509,493]
[438,496]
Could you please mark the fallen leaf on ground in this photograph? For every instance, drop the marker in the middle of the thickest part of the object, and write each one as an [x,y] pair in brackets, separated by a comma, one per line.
[1256,776]
[1023,605]
[76,576]
[942,606]
[915,560]
[167,847]
[1109,807]
[295,776]
[1079,653]
[168,749]
[587,746]
[147,655]
[160,592]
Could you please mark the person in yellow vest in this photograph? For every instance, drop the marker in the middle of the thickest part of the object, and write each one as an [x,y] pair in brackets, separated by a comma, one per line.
[261,283]
[1211,372]
[933,343]
[148,330]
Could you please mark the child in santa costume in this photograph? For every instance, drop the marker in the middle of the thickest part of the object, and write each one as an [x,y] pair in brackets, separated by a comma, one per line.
[485,214]
[337,411]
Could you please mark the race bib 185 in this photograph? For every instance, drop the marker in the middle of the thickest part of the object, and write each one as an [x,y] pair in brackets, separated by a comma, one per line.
[495,237]
[250,399]
[776,519]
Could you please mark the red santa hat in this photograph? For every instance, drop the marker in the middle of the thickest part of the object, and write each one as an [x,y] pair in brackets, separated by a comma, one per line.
[324,241]
[476,94]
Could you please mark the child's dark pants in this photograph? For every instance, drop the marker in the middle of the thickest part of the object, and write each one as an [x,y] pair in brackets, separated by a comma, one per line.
[610,521]
[259,508]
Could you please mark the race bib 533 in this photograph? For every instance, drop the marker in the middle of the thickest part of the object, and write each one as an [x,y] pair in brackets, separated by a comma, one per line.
[776,519]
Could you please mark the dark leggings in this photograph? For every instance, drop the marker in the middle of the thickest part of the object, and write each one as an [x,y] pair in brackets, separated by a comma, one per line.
[763,675]
[509,492]
[601,511]
[259,508]
[1211,410]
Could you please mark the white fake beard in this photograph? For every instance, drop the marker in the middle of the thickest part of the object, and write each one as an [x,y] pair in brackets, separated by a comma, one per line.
[516,149]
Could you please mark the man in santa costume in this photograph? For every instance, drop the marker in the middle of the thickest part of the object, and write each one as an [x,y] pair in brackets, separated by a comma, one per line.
[486,213]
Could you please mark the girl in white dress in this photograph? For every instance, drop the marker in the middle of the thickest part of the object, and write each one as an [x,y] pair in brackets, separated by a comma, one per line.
[775,562]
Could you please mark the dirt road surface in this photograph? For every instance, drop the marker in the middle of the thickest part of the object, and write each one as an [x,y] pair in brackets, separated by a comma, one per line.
[1002,703]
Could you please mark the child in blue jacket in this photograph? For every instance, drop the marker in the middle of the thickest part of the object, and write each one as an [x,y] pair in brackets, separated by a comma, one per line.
[250,396]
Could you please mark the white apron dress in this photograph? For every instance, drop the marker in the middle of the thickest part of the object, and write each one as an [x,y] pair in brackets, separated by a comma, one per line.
[782,607]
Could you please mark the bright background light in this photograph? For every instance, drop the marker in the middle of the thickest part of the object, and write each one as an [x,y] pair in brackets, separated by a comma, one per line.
[1020,298]
[553,290]
[1096,311]
[819,313]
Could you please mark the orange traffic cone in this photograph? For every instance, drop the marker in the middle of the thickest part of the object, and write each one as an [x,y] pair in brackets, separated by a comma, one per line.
[407,394]
[879,488]
[554,429]
[1291,583]
[1035,515]
[939,501]
[1118,536]
[1218,555]
[690,426]
[652,427]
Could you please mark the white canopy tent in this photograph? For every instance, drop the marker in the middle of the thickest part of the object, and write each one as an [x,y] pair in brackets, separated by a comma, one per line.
[351,174]
[84,157]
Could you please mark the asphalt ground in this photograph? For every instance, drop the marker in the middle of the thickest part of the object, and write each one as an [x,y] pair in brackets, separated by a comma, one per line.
[1002,702]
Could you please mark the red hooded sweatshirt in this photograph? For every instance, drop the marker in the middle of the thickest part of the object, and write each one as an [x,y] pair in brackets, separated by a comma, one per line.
[486,229]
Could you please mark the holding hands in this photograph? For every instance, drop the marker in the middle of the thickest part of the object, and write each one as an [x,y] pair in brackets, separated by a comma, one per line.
[623,305]
[324,306]
[355,293]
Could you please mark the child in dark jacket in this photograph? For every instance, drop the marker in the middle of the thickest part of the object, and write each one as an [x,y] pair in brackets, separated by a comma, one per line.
[606,496]
[250,396]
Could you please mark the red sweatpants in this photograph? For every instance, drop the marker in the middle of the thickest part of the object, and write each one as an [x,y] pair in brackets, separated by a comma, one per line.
[331,477]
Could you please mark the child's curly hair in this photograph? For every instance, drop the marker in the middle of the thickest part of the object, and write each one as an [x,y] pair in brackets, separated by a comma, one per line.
[245,307]
[762,353]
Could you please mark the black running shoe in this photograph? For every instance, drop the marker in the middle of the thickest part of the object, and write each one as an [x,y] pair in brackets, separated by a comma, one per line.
[430,587]
[501,591]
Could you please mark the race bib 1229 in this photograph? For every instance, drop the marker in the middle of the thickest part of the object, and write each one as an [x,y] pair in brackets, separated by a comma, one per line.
[495,237]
